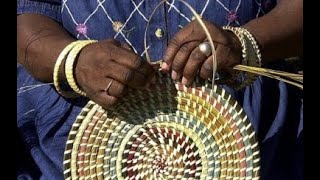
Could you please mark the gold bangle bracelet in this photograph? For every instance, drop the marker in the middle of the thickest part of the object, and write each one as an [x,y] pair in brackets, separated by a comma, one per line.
[69,66]
[249,78]
[62,56]
[254,56]
[250,54]
[240,36]
[255,46]
[234,80]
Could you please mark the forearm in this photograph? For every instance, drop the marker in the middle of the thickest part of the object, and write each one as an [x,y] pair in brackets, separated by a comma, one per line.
[279,33]
[39,42]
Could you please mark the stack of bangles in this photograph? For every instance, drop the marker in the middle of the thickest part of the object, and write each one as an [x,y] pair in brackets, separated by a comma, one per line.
[69,55]
[251,56]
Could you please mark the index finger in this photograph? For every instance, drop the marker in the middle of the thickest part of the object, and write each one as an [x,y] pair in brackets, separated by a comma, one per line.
[131,60]
[181,37]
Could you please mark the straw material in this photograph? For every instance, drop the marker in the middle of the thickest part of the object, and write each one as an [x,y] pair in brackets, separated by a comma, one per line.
[166,132]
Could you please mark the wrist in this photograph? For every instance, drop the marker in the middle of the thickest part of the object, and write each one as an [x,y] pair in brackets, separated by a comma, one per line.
[236,48]
[63,44]
[81,65]
[67,58]
[70,66]
[250,55]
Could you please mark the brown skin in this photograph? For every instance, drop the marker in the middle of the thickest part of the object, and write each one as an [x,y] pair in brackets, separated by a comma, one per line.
[41,39]
[279,34]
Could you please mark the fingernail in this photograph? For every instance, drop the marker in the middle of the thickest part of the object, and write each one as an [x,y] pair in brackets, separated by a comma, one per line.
[164,66]
[185,81]
[174,75]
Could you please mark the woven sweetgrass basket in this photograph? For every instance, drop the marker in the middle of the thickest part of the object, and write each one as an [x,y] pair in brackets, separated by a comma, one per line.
[166,132]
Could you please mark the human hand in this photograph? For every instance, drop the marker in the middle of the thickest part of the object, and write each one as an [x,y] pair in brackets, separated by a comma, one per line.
[105,69]
[184,58]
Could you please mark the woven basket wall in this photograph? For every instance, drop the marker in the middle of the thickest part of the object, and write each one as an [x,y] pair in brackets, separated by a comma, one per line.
[166,132]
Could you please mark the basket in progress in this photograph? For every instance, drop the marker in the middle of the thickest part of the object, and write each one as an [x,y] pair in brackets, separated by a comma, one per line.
[169,131]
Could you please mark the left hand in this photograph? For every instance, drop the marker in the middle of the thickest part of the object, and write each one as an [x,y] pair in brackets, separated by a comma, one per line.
[184,58]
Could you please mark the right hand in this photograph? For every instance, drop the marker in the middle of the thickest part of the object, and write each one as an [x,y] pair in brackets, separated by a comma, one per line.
[107,60]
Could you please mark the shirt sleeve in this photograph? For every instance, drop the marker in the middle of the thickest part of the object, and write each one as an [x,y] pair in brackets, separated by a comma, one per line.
[49,8]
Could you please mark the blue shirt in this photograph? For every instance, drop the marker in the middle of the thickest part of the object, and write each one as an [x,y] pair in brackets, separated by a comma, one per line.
[44,118]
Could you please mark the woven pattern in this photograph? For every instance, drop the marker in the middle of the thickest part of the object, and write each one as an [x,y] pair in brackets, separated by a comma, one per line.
[166,132]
